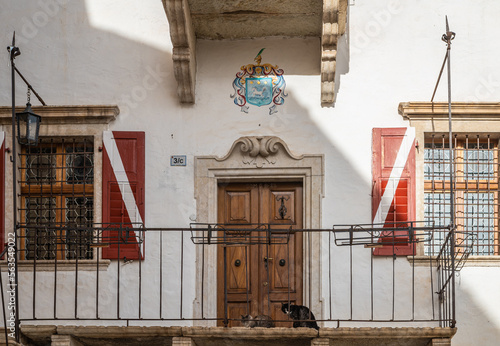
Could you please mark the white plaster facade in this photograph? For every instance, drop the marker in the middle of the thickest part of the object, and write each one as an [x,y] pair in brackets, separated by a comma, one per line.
[120,53]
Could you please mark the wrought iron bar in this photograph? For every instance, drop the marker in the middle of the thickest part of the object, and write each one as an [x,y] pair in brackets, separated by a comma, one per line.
[226,316]
[13,52]
[161,275]
[30,87]
[448,37]
[182,271]
[139,255]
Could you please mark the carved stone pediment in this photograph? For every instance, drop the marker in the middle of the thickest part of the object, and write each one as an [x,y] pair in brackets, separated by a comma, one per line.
[259,150]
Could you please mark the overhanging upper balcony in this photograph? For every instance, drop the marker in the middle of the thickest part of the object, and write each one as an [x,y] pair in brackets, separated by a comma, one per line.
[227,19]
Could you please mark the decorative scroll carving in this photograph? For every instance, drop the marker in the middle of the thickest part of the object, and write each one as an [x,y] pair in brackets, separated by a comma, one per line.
[334,14]
[184,41]
[260,150]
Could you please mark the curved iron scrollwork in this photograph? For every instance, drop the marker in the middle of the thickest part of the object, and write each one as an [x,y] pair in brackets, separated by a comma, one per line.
[282,210]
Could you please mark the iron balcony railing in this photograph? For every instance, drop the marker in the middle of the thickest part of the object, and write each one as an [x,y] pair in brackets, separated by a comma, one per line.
[173,283]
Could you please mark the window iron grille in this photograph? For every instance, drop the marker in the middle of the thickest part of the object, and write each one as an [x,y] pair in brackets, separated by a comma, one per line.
[57,195]
[475,187]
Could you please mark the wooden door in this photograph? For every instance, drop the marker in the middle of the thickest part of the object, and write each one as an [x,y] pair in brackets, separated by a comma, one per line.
[259,277]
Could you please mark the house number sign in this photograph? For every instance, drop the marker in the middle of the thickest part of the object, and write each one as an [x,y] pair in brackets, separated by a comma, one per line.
[178,160]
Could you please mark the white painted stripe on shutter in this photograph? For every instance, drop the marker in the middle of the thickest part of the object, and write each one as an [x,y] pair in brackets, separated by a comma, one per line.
[397,171]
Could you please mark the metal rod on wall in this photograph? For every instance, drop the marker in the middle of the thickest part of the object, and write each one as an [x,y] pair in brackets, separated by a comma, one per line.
[14,51]
[447,38]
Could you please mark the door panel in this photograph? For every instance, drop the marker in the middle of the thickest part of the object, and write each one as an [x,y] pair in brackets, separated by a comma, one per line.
[260,277]
[283,208]
[280,270]
[239,206]
[237,270]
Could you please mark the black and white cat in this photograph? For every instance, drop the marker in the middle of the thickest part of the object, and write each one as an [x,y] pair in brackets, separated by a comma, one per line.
[257,321]
[300,313]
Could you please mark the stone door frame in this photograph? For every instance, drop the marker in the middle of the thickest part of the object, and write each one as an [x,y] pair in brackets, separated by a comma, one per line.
[257,159]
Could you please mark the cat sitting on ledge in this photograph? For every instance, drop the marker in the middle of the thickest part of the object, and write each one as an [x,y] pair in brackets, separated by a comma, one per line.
[299,314]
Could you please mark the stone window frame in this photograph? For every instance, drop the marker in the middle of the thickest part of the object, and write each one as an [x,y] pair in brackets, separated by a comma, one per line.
[432,117]
[72,121]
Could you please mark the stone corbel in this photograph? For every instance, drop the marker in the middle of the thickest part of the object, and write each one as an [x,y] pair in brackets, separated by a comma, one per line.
[184,42]
[334,24]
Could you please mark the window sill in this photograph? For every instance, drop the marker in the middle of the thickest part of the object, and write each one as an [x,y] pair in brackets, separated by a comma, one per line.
[472,261]
[62,265]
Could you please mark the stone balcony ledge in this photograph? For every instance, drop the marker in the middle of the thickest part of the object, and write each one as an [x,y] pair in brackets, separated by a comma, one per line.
[206,336]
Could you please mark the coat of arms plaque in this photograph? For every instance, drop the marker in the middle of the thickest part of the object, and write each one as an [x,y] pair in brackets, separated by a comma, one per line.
[259,85]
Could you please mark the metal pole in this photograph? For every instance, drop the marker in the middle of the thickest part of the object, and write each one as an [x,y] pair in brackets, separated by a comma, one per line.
[447,38]
[14,51]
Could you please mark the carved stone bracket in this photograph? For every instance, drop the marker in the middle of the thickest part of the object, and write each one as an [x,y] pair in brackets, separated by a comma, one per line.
[260,151]
[184,42]
[334,24]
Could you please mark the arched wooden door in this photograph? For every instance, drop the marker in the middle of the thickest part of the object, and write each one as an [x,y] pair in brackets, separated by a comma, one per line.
[260,277]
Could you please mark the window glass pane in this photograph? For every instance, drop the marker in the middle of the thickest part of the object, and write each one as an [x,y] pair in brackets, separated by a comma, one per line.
[436,213]
[479,220]
[436,161]
[40,242]
[478,162]
[79,213]
[80,164]
[41,166]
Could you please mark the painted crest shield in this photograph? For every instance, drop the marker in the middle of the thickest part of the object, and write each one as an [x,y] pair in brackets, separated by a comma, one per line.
[259,85]
[259,91]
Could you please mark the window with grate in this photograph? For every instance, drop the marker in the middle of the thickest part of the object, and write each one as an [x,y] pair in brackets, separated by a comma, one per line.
[475,191]
[57,199]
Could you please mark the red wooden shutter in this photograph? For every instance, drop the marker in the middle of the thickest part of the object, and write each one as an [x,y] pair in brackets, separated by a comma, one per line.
[393,198]
[123,171]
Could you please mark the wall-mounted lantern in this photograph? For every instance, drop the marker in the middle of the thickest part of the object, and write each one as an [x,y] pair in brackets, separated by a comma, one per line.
[28,126]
